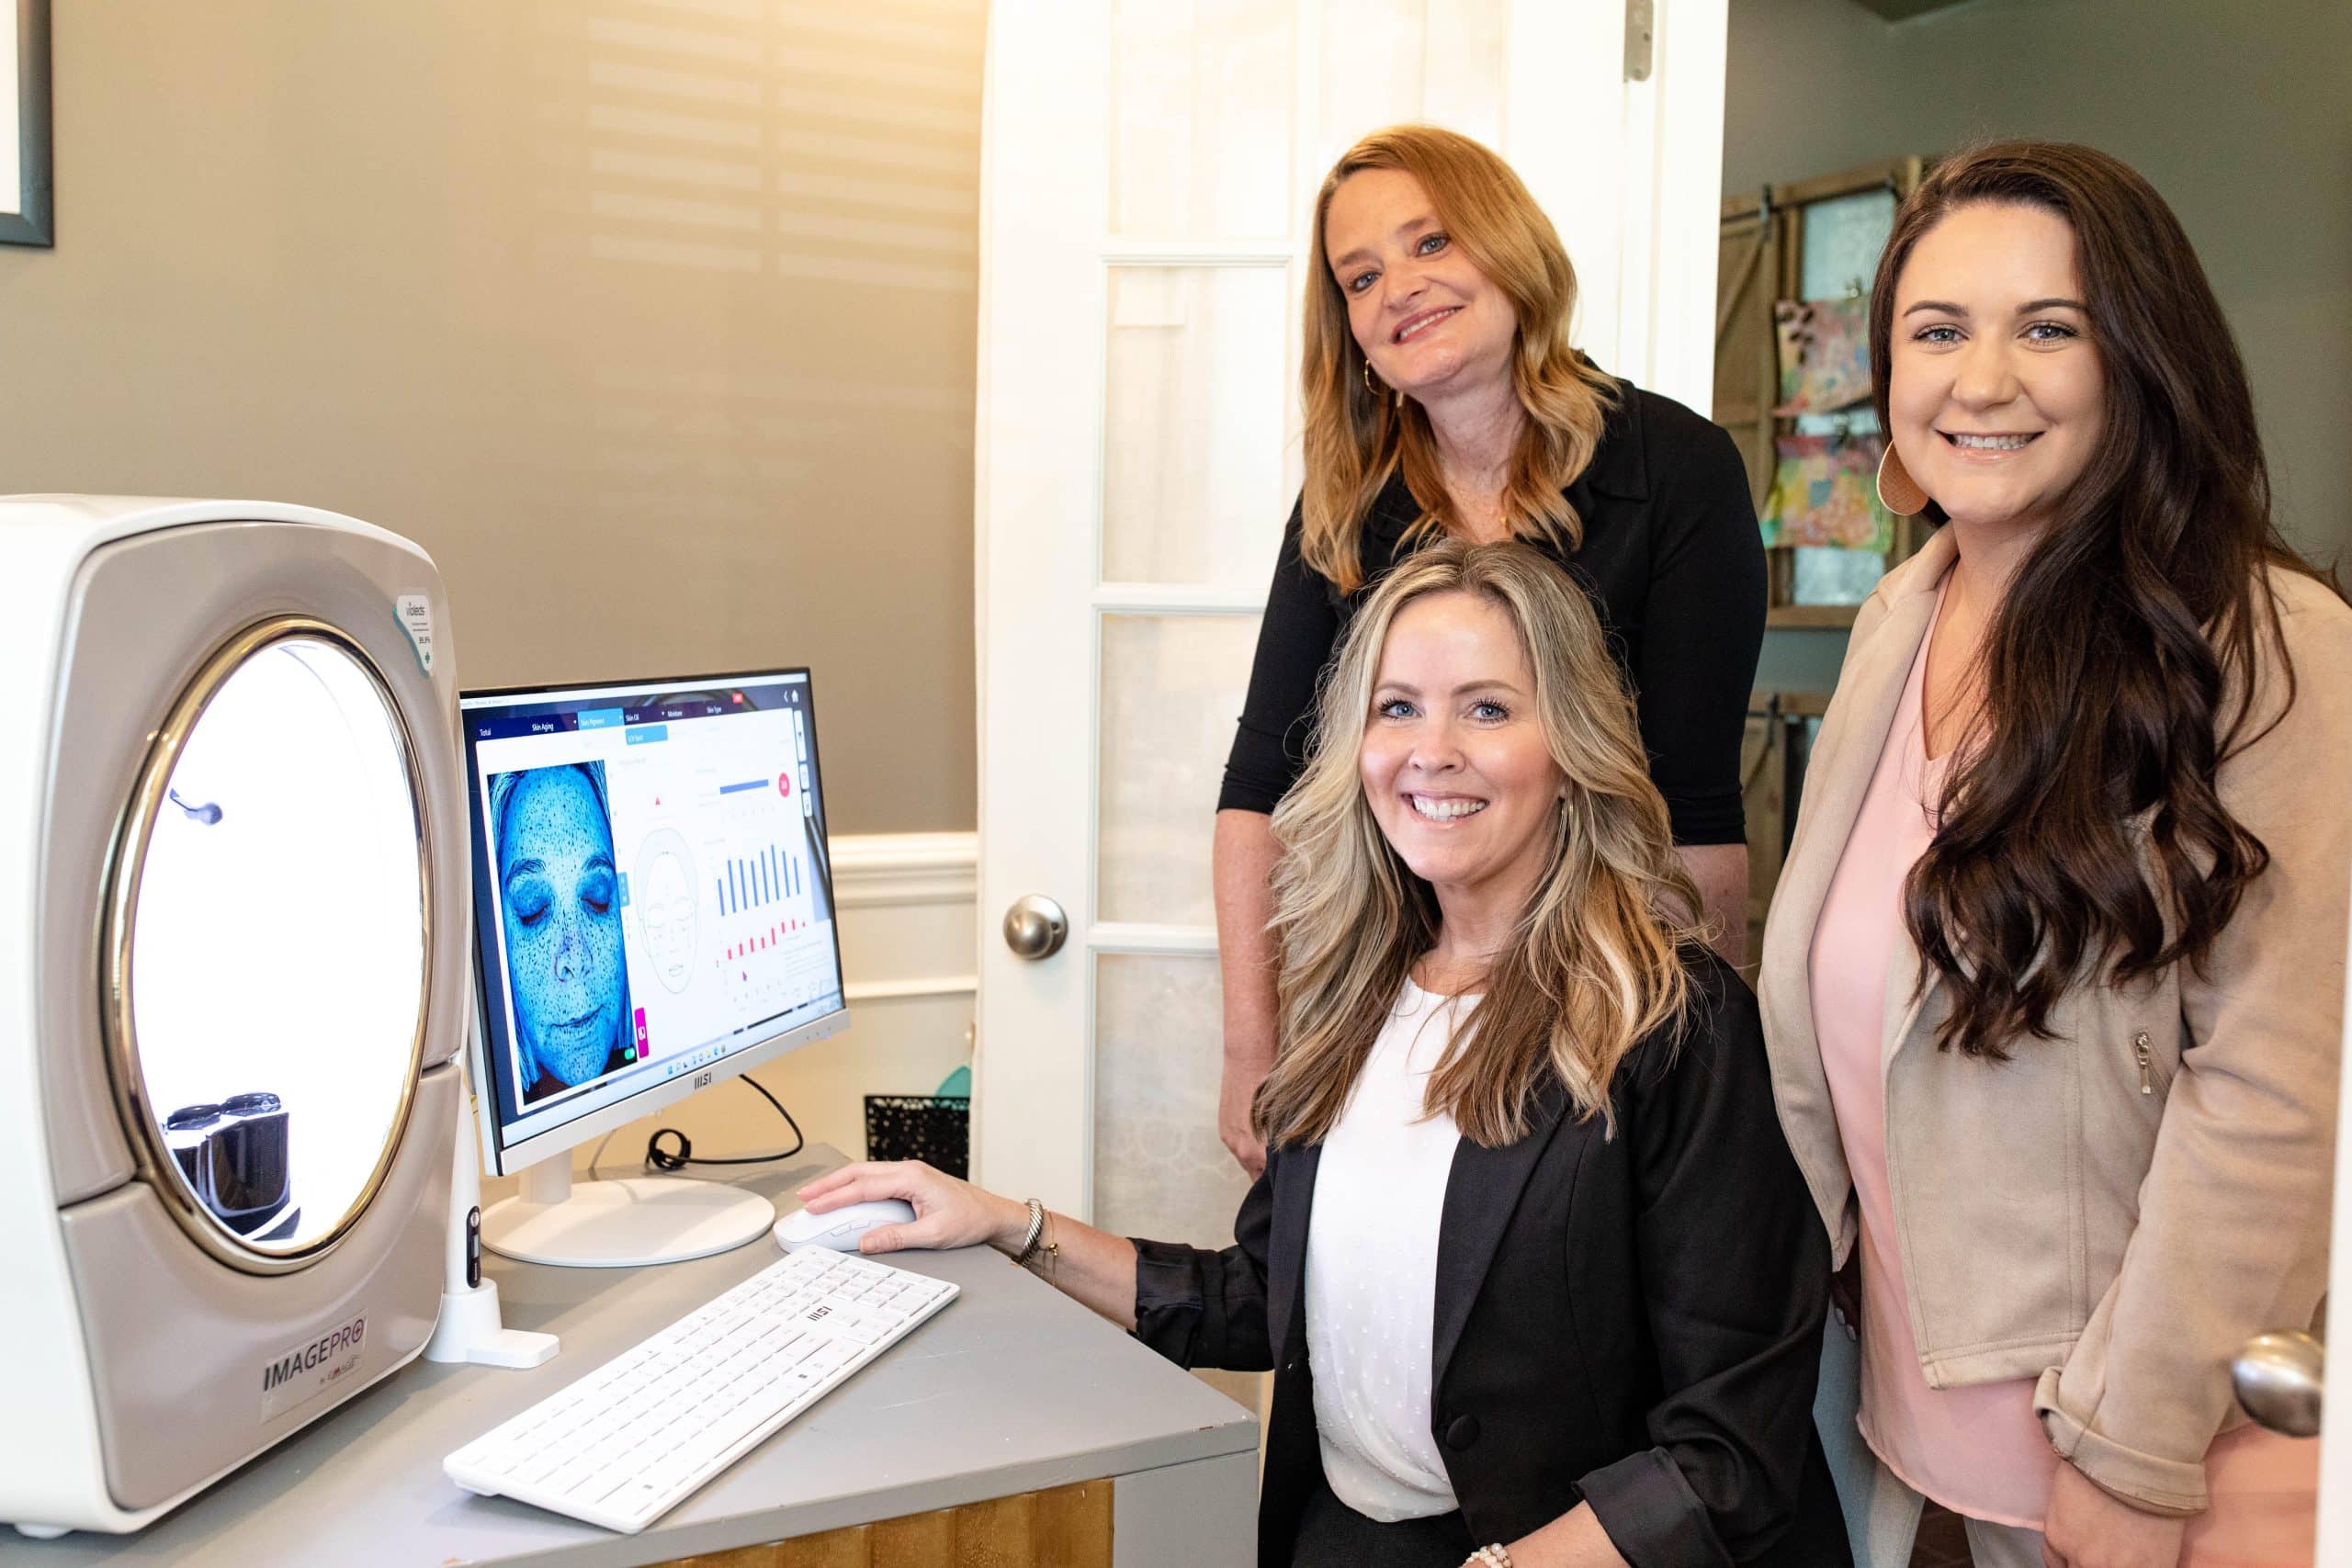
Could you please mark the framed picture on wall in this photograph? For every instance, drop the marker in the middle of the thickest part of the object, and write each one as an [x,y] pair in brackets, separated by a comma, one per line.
[26,207]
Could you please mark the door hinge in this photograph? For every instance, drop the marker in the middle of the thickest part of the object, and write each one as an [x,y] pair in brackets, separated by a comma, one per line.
[1641,40]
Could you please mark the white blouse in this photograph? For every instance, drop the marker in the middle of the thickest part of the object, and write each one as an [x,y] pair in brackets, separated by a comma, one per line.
[1372,1270]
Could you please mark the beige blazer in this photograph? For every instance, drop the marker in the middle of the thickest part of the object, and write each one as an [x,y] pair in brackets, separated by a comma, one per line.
[2116,1211]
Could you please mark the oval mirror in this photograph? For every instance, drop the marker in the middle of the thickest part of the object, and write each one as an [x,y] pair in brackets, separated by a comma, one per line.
[268,946]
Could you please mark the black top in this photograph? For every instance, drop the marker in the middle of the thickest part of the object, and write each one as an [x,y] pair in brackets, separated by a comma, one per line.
[1633,1321]
[1674,564]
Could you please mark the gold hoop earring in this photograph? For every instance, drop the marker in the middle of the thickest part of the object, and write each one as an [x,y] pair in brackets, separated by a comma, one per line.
[1374,388]
[1897,491]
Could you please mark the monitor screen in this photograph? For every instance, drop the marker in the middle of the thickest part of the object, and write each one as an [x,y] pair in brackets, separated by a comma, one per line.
[652,894]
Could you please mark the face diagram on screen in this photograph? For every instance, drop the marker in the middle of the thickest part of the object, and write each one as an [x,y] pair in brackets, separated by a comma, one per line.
[559,896]
[662,891]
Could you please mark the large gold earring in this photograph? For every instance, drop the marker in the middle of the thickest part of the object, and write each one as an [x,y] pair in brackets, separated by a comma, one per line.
[1375,388]
[1897,491]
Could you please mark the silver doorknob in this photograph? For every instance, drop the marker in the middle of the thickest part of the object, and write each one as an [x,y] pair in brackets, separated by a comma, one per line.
[1035,927]
[2277,1378]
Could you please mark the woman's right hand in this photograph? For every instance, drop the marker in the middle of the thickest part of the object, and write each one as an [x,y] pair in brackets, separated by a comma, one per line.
[948,1214]
[1846,1294]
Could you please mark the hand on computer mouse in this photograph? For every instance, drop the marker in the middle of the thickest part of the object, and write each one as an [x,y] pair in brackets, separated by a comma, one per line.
[948,1214]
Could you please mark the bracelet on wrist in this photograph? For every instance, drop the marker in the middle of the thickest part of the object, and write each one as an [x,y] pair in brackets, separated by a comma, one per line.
[1049,1251]
[1037,1228]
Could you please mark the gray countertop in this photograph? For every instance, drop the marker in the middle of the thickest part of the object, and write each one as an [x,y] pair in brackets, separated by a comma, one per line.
[1013,1388]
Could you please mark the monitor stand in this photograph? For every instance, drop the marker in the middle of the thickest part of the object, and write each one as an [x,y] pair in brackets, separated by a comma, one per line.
[622,1223]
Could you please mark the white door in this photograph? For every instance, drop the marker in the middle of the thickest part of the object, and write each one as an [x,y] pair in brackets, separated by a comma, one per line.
[2336,1456]
[1148,168]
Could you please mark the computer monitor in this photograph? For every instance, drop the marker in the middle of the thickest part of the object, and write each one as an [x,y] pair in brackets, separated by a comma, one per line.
[653,912]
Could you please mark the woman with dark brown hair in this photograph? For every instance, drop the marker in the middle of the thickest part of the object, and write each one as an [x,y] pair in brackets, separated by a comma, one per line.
[2054,981]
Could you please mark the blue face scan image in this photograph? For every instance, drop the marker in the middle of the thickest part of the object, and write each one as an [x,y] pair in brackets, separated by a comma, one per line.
[561,896]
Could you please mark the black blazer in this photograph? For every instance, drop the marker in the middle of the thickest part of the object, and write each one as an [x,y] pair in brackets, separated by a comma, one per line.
[1630,1321]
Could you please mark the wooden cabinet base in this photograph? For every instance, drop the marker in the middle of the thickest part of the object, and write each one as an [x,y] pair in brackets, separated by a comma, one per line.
[1068,1527]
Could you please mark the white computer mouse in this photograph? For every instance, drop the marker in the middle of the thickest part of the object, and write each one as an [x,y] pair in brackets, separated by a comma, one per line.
[840,1228]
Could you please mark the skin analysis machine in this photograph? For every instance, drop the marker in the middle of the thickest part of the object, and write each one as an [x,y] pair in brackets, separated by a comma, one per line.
[297,937]
[231,834]
[279,891]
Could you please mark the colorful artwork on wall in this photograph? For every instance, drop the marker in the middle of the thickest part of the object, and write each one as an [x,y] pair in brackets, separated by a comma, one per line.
[1825,354]
[1824,491]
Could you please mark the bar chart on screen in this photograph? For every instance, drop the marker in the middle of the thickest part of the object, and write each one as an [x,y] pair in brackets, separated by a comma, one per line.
[726,912]
[765,879]
[777,969]
[775,940]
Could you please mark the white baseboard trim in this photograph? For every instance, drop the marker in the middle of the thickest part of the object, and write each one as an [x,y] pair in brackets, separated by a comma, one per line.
[922,986]
[877,869]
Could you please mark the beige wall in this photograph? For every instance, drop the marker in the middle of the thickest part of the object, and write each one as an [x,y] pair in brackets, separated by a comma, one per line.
[2235,112]
[652,319]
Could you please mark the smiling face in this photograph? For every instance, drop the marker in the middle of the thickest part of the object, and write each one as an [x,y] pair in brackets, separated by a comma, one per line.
[1453,761]
[563,924]
[1429,320]
[1996,394]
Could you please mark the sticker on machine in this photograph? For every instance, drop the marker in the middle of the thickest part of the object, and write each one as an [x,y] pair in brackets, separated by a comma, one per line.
[310,1369]
[416,612]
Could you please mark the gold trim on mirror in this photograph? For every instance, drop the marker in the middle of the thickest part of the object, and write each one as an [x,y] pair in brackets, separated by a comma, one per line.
[156,1165]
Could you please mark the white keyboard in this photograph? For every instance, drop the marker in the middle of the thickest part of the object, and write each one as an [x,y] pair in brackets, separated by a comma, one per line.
[626,1443]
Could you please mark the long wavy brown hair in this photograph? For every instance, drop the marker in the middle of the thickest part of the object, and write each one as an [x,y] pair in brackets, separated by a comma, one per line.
[1595,964]
[2081,835]
[1357,435]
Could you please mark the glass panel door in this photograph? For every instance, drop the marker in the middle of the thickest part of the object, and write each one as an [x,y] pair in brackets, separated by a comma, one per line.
[1150,166]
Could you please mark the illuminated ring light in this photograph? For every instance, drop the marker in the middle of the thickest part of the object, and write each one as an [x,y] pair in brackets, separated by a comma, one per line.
[118,938]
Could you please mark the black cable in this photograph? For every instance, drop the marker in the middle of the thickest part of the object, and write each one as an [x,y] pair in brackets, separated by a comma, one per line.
[660,1159]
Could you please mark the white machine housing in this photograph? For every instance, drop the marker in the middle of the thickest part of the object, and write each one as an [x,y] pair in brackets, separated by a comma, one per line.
[140,1359]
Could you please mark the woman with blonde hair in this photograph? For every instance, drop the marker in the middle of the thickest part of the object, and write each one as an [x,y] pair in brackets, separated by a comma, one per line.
[1529,1259]
[1443,400]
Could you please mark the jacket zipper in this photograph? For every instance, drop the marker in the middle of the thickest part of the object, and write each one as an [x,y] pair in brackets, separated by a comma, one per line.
[2147,1069]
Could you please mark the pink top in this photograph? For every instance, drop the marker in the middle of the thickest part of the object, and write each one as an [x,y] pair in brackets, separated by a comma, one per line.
[1978,1449]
